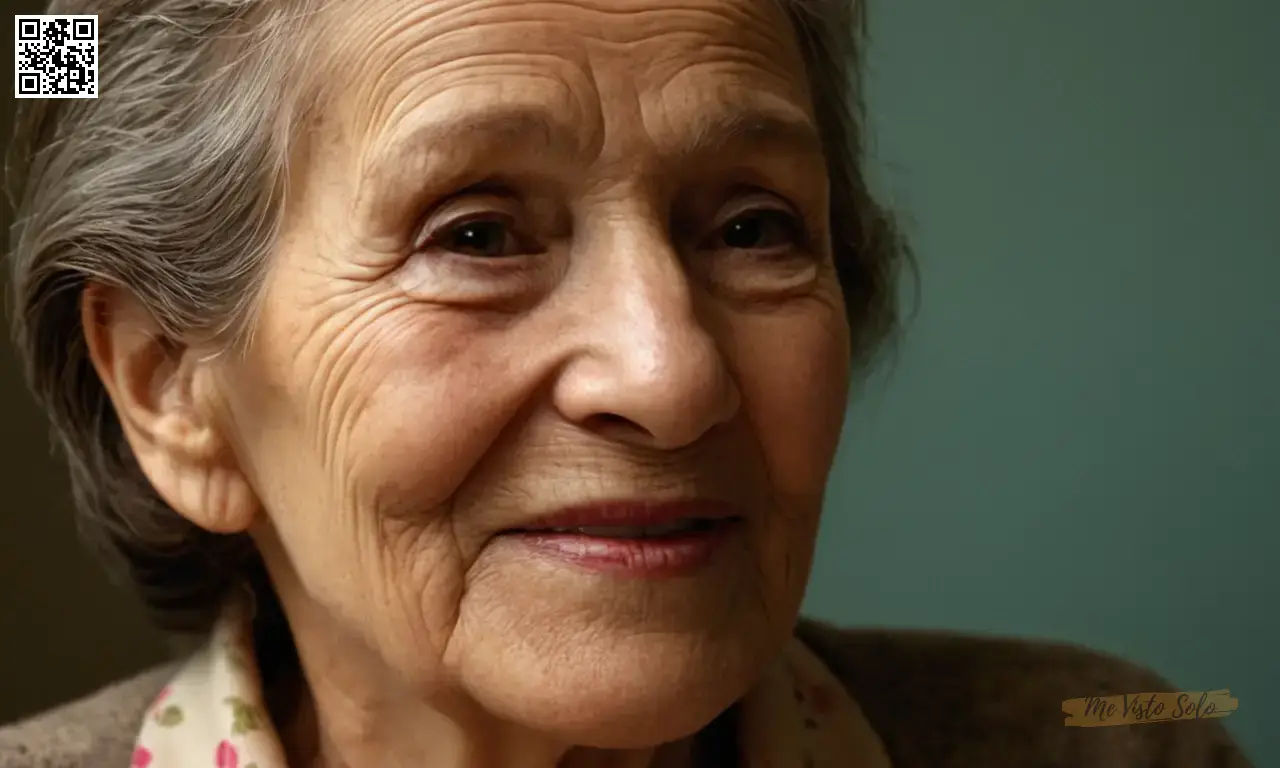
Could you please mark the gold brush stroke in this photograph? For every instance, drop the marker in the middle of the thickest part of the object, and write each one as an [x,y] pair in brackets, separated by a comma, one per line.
[1136,708]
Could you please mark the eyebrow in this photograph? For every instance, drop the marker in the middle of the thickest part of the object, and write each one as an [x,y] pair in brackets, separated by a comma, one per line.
[432,144]
[719,132]
[515,125]
[497,127]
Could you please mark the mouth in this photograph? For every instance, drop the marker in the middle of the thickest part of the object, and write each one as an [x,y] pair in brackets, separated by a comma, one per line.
[641,539]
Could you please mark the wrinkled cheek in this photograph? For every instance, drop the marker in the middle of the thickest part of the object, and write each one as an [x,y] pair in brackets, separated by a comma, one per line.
[422,577]
[416,444]
[434,409]
[795,388]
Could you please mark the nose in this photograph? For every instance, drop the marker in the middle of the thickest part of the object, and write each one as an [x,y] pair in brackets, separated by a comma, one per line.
[645,370]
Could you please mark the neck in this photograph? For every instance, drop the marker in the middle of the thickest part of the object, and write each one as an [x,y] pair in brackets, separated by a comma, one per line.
[337,710]
[331,729]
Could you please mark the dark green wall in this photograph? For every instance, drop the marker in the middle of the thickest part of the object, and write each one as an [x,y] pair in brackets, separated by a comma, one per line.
[1081,438]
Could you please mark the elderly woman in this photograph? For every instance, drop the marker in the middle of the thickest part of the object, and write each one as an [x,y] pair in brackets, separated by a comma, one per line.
[468,373]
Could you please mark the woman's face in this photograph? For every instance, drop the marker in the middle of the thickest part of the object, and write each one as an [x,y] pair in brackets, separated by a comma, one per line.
[545,257]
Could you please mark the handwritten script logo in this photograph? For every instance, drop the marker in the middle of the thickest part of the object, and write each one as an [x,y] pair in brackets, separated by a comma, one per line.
[1135,708]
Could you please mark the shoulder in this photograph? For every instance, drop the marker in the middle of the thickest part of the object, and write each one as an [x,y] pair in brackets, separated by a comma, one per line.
[96,731]
[947,700]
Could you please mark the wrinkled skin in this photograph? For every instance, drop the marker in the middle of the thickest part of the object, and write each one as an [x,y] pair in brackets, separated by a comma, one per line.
[536,254]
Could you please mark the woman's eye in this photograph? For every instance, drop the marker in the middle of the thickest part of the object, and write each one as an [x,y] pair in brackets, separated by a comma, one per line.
[761,230]
[481,238]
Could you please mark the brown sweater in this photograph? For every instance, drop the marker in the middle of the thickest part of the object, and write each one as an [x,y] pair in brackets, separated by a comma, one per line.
[937,700]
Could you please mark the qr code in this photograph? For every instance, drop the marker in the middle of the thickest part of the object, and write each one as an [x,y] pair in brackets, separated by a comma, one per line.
[57,57]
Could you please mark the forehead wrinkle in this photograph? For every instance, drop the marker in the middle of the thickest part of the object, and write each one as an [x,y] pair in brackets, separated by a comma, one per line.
[451,140]
[518,128]
[731,99]
[397,50]
[429,115]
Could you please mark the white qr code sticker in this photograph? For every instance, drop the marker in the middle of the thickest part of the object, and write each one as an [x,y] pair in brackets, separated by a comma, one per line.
[57,57]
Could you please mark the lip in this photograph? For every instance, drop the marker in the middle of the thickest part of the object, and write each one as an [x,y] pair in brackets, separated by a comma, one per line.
[677,554]
[630,513]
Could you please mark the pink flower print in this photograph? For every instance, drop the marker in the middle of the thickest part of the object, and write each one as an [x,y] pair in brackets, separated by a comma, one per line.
[225,756]
[141,758]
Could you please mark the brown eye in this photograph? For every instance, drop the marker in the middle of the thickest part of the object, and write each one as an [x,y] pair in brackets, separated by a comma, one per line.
[489,238]
[759,230]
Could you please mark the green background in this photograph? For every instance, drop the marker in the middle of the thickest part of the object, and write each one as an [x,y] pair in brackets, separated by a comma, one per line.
[1078,439]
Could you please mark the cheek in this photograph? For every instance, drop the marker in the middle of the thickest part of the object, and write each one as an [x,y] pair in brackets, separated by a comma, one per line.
[433,404]
[371,416]
[794,375]
[359,441]
[793,372]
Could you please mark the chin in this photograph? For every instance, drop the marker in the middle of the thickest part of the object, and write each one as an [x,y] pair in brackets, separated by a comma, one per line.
[636,693]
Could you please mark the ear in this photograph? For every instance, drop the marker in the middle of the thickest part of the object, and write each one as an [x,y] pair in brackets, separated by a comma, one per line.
[165,398]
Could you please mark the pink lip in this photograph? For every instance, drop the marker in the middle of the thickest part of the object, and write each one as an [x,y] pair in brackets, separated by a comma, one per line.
[656,557]
[632,513]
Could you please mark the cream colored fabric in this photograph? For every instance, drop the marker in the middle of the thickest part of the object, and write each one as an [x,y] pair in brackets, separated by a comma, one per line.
[212,714]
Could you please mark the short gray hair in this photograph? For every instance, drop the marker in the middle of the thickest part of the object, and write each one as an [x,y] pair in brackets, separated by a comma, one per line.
[171,185]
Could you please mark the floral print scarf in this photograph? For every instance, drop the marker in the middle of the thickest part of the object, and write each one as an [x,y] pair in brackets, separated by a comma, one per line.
[212,714]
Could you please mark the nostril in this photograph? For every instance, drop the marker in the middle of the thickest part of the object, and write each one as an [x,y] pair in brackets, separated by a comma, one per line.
[613,422]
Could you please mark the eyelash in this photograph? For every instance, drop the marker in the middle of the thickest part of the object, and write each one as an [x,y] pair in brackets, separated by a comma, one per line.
[792,225]
[438,237]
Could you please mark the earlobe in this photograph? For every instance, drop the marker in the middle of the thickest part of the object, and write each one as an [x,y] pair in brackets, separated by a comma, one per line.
[161,393]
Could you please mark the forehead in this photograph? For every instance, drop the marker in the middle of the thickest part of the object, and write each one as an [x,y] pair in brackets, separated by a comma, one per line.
[603,66]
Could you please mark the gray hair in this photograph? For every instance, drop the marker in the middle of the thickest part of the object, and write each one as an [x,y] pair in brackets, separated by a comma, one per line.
[172,186]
